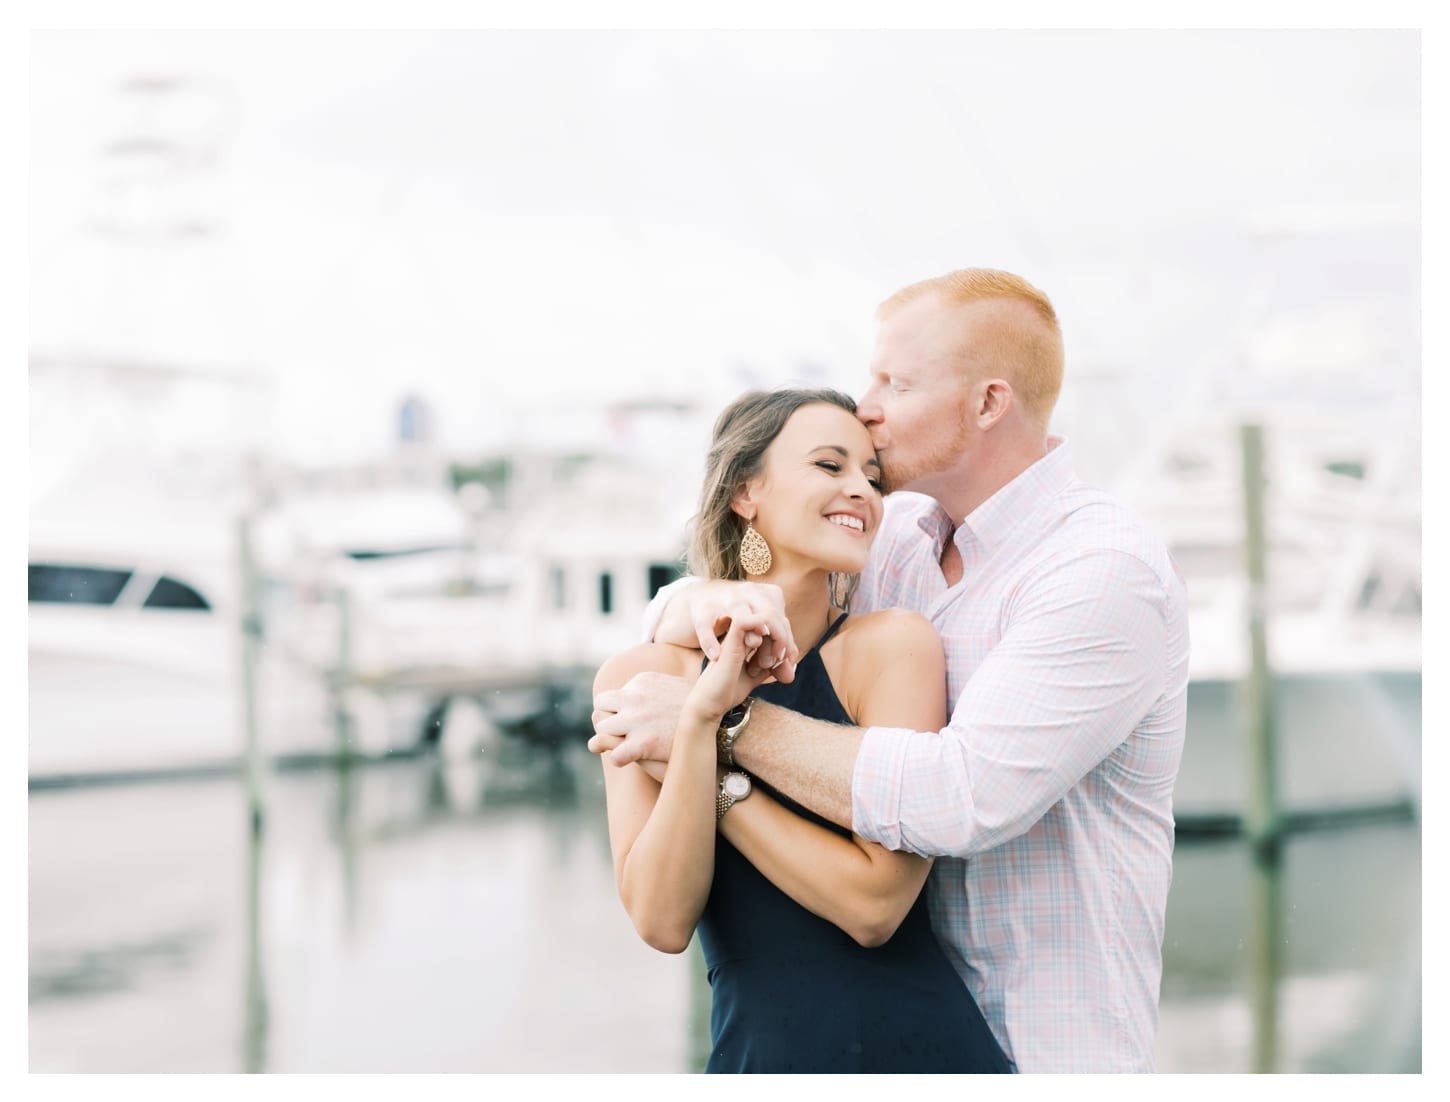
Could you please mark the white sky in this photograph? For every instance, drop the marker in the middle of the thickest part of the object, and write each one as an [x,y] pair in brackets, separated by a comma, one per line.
[507,221]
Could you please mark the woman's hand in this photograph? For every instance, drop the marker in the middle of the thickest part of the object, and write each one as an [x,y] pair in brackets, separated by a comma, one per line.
[638,721]
[714,607]
[727,680]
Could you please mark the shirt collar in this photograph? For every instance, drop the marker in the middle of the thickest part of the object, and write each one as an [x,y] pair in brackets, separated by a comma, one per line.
[936,522]
[991,522]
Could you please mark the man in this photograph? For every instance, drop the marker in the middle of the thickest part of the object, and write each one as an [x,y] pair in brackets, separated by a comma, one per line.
[1048,797]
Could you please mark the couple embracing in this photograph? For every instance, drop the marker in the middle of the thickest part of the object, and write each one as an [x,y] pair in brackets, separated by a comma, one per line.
[906,763]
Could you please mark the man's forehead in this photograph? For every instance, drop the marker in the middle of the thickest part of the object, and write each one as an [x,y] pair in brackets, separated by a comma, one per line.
[930,328]
[926,320]
[912,340]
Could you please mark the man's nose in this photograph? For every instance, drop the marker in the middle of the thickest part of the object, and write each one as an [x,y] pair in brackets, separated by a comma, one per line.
[868,409]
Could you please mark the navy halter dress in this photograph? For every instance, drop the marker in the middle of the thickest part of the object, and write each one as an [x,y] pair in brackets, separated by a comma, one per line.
[794,993]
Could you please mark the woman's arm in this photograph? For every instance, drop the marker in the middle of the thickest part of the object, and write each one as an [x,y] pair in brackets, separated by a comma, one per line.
[662,835]
[889,664]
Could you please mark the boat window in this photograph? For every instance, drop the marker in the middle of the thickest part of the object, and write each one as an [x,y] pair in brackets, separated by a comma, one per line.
[1369,591]
[364,554]
[661,575]
[1348,468]
[606,593]
[56,583]
[170,593]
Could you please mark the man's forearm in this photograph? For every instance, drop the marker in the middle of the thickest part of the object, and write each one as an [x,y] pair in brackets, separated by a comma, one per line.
[809,760]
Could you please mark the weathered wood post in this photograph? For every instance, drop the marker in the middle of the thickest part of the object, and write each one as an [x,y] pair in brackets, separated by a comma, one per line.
[1262,820]
[251,640]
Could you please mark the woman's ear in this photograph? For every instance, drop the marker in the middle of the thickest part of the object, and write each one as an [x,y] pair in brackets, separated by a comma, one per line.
[743,503]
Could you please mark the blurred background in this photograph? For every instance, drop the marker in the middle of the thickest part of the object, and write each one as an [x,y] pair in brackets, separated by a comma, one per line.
[370,376]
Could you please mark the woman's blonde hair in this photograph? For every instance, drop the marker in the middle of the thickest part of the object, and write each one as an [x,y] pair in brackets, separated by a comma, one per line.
[743,432]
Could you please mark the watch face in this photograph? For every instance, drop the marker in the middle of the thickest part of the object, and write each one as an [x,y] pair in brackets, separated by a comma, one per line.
[737,785]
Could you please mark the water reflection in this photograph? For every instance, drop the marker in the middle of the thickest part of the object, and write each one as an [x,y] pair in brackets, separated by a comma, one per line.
[424,915]
[1266,938]
[112,967]
[1310,967]
[254,1034]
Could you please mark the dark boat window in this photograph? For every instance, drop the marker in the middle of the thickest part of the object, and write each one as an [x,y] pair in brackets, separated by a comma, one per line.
[365,554]
[660,576]
[169,593]
[1369,591]
[52,583]
[606,593]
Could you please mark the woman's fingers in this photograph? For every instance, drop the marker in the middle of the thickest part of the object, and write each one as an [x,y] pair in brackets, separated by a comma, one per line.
[735,647]
[759,607]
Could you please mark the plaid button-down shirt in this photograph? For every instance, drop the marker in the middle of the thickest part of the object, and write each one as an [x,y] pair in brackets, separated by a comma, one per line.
[1051,788]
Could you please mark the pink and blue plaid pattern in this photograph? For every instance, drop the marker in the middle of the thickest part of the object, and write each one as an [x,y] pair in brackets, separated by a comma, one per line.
[1051,788]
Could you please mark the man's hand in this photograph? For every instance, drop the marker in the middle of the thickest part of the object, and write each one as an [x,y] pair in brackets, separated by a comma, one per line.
[703,614]
[637,721]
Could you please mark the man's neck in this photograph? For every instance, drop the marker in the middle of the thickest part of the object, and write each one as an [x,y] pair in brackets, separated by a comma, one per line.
[989,474]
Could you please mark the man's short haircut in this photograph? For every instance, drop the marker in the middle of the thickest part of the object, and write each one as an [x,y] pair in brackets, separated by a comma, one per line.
[1024,346]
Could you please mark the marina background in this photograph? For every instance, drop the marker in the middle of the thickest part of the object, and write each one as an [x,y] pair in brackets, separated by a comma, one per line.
[369,377]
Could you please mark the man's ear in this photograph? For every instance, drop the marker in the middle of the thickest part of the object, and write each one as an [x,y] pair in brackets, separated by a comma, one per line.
[992,401]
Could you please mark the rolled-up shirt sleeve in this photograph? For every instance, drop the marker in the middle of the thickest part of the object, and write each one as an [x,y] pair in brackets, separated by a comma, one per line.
[654,612]
[1082,659]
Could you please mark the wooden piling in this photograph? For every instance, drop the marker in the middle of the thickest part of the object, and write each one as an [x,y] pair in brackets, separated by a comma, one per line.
[1263,822]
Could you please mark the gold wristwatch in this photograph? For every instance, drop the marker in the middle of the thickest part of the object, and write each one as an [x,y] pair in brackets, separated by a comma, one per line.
[734,787]
[731,725]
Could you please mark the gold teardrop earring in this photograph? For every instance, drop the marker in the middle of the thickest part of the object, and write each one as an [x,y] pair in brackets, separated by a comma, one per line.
[754,551]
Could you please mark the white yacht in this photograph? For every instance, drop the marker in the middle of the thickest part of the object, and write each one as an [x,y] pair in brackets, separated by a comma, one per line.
[1342,607]
[134,652]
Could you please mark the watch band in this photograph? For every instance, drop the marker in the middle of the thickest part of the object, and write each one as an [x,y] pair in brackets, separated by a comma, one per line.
[731,724]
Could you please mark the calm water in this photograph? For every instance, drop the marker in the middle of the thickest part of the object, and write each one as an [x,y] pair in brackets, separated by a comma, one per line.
[416,916]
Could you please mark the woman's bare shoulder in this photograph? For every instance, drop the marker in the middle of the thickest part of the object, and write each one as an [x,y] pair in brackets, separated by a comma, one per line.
[648,658]
[873,641]
[889,631]
[881,644]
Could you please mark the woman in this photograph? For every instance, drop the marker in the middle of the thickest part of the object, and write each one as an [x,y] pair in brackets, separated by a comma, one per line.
[820,952]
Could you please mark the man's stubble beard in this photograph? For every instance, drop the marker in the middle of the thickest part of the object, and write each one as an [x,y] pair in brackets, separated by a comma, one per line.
[941,459]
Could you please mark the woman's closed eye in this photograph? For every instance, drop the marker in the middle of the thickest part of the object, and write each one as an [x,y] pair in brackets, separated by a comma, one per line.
[877,483]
